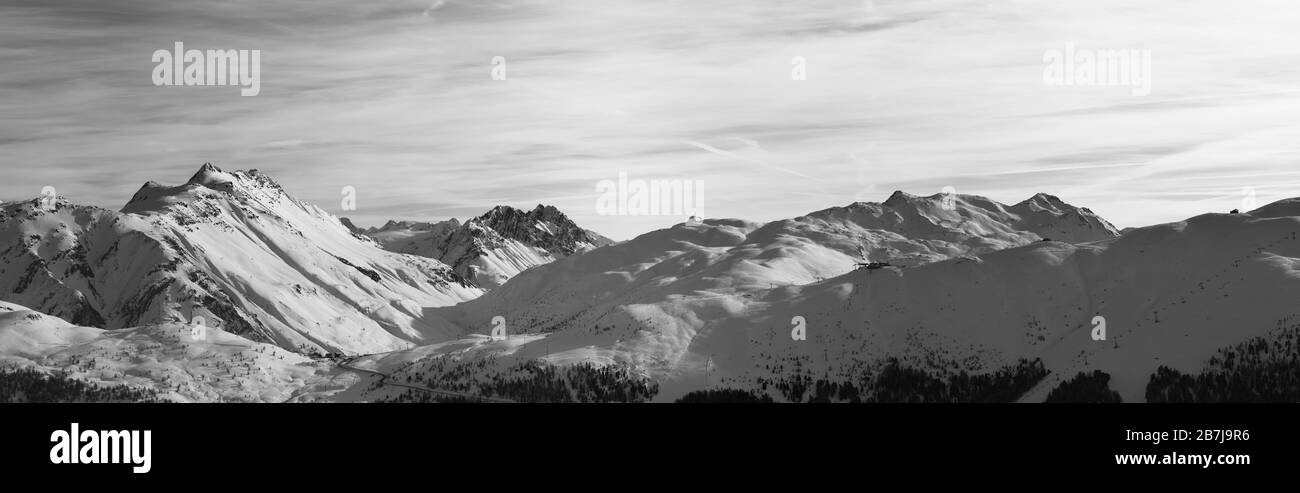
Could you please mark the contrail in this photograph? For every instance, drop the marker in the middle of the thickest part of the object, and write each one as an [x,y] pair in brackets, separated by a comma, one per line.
[733,155]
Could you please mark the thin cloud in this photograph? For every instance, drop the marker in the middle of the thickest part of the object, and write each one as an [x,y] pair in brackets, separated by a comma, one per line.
[397,99]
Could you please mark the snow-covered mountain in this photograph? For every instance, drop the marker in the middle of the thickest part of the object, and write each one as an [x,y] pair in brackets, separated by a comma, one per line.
[974,287]
[492,248]
[728,255]
[231,247]
[717,301]
[1169,295]
[909,230]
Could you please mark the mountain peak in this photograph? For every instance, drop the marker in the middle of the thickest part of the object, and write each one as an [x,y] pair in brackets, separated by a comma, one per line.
[208,174]
[548,210]
[1046,201]
[899,197]
[494,246]
[147,197]
[503,216]
[209,178]
[550,213]
[501,211]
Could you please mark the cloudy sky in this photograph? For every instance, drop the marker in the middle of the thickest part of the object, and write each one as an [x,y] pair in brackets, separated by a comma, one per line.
[397,99]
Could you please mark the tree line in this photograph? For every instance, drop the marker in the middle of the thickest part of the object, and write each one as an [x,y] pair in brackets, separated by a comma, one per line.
[1262,369]
[27,385]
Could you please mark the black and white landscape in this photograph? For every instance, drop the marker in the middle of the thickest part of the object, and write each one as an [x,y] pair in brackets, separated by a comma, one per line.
[527,201]
[228,288]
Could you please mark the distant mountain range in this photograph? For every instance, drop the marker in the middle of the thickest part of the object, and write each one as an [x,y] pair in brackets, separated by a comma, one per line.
[945,287]
[972,287]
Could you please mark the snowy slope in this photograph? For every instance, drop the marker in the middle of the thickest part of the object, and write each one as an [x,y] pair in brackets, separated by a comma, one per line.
[745,260]
[910,230]
[700,303]
[233,248]
[973,288]
[175,360]
[1171,295]
[492,248]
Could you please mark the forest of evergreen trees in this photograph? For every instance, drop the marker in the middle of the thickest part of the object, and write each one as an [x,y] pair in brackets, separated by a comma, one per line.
[1085,387]
[529,381]
[900,384]
[534,381]
[1263,369]
[723,396]
[26,385]
[895,382]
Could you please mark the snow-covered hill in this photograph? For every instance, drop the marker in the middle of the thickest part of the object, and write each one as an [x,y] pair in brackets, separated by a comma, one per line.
[231,247]
[716,302]
[735,258]
[1170,295]
[492,248]
[974,287]
[176,361]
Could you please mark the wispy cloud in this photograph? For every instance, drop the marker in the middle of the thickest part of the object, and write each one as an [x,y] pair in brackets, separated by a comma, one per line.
[398,100]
